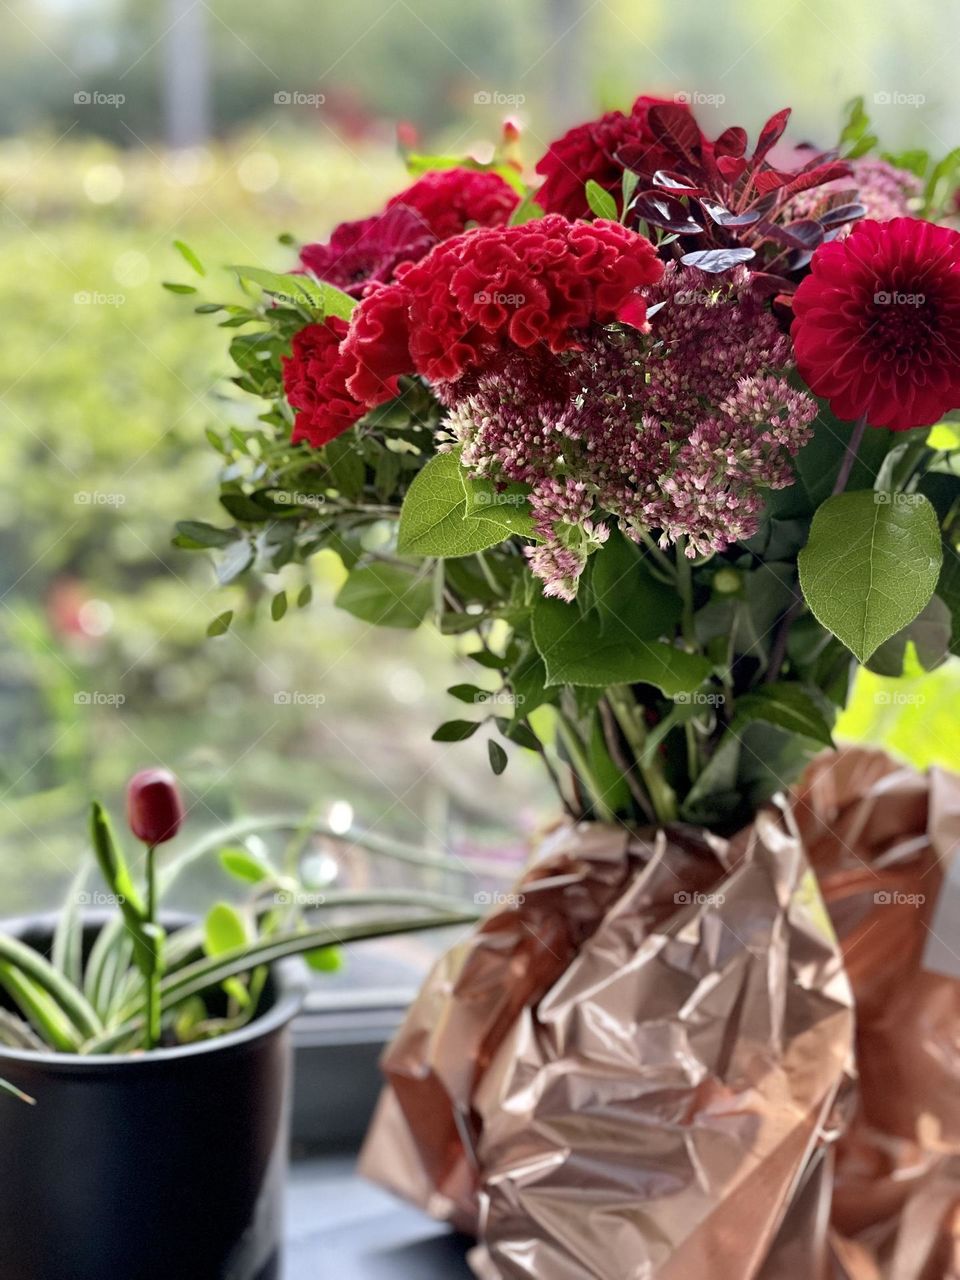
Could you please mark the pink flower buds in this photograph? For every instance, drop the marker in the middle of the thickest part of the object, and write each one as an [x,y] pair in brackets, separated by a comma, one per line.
[154,807]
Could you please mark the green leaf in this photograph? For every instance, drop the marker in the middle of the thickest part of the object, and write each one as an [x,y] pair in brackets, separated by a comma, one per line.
[305,596]
[789,706]
[278,606]
[623,591]
[469,693]
[590,650]
[244,866]
[508,507]
[189,257]
[498,757]
[345,466]
[601,202]
[224,930]
[456,730]
[205,535]
[301,290]
[325,959]
[235,561]
[40,1009]
[200,976]
[433,518]
[22,961]
[386,595]
[519,731]
[528,680]
[870,565]
[7,1087]
[221,624]
[177,288]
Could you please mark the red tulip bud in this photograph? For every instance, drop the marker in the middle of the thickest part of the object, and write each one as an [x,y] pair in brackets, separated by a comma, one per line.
[154,807]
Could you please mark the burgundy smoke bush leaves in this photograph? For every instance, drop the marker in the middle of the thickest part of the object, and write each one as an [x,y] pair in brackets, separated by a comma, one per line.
[712,194]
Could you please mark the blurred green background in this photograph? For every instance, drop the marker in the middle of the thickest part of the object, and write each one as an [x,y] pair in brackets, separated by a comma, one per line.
[125,125]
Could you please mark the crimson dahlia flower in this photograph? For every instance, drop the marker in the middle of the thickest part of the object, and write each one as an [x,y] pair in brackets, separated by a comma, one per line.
[877,323]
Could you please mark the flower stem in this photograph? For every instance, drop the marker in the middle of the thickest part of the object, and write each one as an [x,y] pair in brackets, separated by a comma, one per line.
[580,760]
[151,1034]
[661,794]
[850,455]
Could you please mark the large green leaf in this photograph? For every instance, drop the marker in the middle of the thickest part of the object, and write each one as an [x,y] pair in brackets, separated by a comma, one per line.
[600,650]
[870,565]
[433,519]
[623,591]
[386,595]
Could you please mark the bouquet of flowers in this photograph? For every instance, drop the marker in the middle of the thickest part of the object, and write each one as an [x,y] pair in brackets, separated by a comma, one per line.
[655,434]
[664,438]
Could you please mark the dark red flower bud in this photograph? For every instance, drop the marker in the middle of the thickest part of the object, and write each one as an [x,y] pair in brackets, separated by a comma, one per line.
[154,807]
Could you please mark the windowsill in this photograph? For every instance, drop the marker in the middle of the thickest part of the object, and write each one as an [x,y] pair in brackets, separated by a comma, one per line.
[339,1224]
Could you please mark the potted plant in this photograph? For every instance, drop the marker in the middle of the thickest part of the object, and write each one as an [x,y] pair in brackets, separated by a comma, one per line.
[146,1057]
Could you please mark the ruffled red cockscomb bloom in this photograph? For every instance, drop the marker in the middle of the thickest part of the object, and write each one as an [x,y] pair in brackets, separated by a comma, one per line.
[370,249]
[877,323]
[314,378]
[376,350]
[590,151]
[543,282]
[449,200]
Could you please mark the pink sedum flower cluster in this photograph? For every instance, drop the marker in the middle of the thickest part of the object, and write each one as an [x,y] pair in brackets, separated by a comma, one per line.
[679,430]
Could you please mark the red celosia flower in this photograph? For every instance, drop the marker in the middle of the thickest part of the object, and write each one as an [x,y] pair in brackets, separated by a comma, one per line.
[314,378]
[376,349]
[591,151]
[543,282]
[449,200]
[154,807]
[877,323]
[369,250]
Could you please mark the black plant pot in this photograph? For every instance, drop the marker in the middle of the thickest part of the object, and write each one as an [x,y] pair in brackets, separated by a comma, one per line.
[161,1166]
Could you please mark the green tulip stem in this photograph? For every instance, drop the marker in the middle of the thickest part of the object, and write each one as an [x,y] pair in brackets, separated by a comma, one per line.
[151,1036]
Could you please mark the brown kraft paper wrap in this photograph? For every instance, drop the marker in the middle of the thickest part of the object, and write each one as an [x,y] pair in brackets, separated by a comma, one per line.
[638,1066]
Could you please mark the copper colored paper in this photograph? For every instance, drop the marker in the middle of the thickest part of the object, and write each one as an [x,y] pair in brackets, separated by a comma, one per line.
[642,1067]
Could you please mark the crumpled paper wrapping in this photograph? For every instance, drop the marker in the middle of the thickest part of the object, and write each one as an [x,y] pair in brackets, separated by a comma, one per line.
[641,1065]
